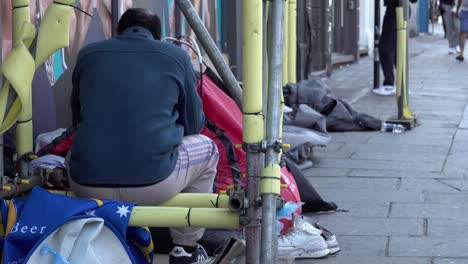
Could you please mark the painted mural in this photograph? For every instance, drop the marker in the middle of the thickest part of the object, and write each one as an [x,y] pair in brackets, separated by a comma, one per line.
[90,22]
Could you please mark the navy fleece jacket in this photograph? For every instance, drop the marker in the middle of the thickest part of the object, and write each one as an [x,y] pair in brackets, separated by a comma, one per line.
[133,100]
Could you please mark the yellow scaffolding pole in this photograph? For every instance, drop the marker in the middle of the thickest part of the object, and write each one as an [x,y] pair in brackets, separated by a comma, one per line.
[292,41]
[404,117]
[253,133]
[286,43]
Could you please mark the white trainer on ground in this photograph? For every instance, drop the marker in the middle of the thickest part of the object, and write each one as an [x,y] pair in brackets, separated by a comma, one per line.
[452,51]
[303,240]
[385,90]
[330,239]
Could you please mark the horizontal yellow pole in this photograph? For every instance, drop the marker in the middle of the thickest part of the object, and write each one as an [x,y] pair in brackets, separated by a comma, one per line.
[215,218]
[193,200]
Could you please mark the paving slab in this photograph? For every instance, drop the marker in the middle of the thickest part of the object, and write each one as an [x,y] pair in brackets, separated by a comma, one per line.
[445,198]
[464,121]
[428,247]
[399,156]
[460,148]
[457,162]
[343,225]
[447,228]
[326,172]
[354,183]
[343,259]
[427,185]
[416,150]
[337,154]
[461,185]
[359,209]
[450,261]
[412,139]
[405,174]
[429,210]
[363,245]
[375,194]
[381,165]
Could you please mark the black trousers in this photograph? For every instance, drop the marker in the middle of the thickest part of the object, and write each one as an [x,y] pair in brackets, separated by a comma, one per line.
[387,47]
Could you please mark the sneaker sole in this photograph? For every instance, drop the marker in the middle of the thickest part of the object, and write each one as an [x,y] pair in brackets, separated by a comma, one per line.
[383,94]
[314,254]
[386,94]
[285,252]
[334,250]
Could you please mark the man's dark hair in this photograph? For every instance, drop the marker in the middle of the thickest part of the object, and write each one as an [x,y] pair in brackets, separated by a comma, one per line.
[140,17]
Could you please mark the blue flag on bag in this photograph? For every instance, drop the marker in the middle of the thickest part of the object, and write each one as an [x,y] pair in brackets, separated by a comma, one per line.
[53,228]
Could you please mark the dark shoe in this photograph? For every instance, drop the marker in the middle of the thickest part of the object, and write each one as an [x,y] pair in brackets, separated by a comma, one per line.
[179,255]
[460,58]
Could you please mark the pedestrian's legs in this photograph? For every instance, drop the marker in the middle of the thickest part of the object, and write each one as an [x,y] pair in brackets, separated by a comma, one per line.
[453,27]
[463,36]
[387,49]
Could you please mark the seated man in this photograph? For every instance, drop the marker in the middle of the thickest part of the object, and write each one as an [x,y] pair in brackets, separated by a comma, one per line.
[138,116]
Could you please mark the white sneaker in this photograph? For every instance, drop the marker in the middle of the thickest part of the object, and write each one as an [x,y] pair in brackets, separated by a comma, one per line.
[457,49]
[452,51]
[385,90]
[300,223]
[303,240]
[302,244]
[330,239]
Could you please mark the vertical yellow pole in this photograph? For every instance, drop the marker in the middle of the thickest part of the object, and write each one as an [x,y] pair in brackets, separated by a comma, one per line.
[292,40]
[253,123]
[286,43]
[252,72]
[401,85]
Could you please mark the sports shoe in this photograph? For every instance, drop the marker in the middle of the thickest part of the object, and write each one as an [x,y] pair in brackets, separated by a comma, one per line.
[385,90]
[330,239]
[452,51]
[178,255]
[300,223]
[303,240]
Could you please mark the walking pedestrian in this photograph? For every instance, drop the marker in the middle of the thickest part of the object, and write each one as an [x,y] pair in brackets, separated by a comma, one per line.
[452,24]
[462,13]
[387,48]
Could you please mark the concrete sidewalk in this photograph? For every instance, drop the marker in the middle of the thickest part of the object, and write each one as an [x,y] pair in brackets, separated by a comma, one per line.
[404,194]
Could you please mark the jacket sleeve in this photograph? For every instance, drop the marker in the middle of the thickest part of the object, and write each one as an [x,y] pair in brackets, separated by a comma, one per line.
[75,96]
[191,115]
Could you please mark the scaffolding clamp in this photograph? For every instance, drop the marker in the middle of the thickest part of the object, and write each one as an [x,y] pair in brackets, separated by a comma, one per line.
[260,147]
[263,146]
